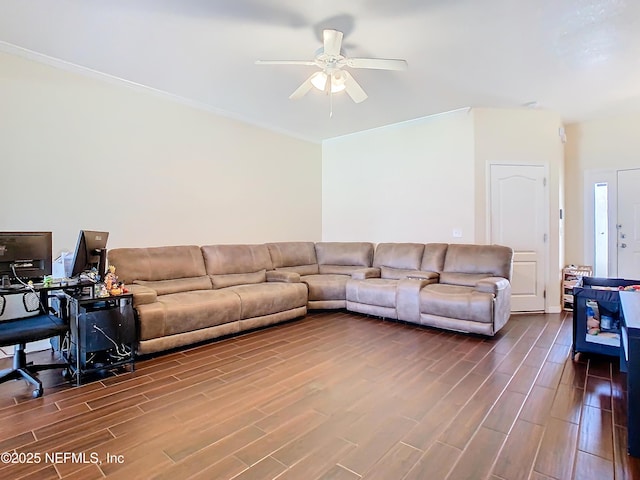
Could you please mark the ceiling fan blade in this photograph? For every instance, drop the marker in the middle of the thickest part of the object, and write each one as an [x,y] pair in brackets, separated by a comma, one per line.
[332,40]
[303,89]
[377,63]
[285,62]
[353,89]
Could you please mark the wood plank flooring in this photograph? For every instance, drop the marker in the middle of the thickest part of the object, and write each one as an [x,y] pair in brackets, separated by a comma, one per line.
[335,396]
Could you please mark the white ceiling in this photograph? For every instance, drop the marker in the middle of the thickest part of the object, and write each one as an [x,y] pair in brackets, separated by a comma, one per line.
[580,58]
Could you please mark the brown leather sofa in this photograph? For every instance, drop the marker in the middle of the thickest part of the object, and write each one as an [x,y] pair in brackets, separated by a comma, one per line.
[187,294]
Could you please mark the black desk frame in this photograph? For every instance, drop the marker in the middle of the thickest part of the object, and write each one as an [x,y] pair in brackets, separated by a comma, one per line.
[89,317]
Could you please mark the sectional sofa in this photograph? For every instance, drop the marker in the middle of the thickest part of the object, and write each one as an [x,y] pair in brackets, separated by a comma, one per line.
[187,294]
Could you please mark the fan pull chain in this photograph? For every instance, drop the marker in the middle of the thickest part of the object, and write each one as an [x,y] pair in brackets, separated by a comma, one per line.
[330,104]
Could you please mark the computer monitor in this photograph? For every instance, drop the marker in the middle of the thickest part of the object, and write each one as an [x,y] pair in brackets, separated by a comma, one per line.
[25,255]
[91,252]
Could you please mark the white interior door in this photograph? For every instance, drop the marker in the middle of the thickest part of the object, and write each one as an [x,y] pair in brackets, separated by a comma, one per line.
[518,213]
[629,224]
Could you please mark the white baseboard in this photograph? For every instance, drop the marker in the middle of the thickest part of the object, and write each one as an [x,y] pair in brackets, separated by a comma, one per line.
[38,346]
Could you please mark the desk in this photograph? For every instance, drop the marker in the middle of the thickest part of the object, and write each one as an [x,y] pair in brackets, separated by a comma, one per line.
[630,302]
[103,334]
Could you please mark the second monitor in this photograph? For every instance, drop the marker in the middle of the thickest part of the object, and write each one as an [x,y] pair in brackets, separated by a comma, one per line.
[91,252]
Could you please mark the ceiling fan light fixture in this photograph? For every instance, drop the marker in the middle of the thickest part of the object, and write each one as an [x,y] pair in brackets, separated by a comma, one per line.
[331,60]
[319,80]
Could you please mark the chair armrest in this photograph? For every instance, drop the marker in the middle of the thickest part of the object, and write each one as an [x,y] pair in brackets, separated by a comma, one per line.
[492,285]
[142,294]
[283,276]
[369,272]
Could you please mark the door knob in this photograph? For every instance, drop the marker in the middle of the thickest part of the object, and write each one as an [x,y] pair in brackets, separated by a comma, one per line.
[623,245]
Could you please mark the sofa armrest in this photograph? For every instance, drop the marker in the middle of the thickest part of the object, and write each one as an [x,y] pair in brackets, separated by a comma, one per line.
[283,276]
[142,294]
[492,285]
[408,298]
[501,289]
[368,272]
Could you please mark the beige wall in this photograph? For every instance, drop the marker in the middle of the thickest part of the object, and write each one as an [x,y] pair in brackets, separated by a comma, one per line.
[80,153]
[523,136]
[412,181]
[603,145]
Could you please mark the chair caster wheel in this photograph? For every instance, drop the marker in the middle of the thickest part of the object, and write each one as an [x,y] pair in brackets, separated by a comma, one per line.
[37,393]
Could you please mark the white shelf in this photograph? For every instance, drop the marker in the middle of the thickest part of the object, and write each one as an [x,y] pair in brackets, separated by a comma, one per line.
[570,277]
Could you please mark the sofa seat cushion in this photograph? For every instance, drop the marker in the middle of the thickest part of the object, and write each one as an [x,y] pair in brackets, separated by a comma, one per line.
[187,311]
[463,279]
[373,291]
[262,299]
[326,286]
[454,301]
[177,285]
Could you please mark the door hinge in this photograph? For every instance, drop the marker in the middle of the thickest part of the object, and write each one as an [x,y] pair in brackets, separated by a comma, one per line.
[544,294]
[544,182]
[544,238]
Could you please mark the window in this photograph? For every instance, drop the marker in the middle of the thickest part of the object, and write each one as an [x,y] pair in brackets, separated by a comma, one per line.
[601,229]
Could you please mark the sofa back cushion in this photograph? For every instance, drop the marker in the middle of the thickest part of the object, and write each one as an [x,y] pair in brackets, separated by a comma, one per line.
[405,256]
[299,257]
[344,254]
[433,257]
[157,263]
[489,260]
[398,260]
[229,265]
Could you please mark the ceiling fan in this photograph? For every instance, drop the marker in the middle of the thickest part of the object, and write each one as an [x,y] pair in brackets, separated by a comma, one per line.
[332,78]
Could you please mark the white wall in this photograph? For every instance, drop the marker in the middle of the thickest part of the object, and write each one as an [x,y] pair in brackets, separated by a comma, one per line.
[593,149]
[420,180]
[412,181]
[81,153]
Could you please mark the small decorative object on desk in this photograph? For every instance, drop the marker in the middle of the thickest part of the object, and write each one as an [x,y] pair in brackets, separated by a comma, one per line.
[111,282]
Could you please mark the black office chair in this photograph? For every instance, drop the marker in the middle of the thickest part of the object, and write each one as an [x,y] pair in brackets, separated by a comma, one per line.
[20,331]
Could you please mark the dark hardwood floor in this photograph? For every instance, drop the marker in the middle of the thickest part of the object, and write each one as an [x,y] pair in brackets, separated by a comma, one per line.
[335,396]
